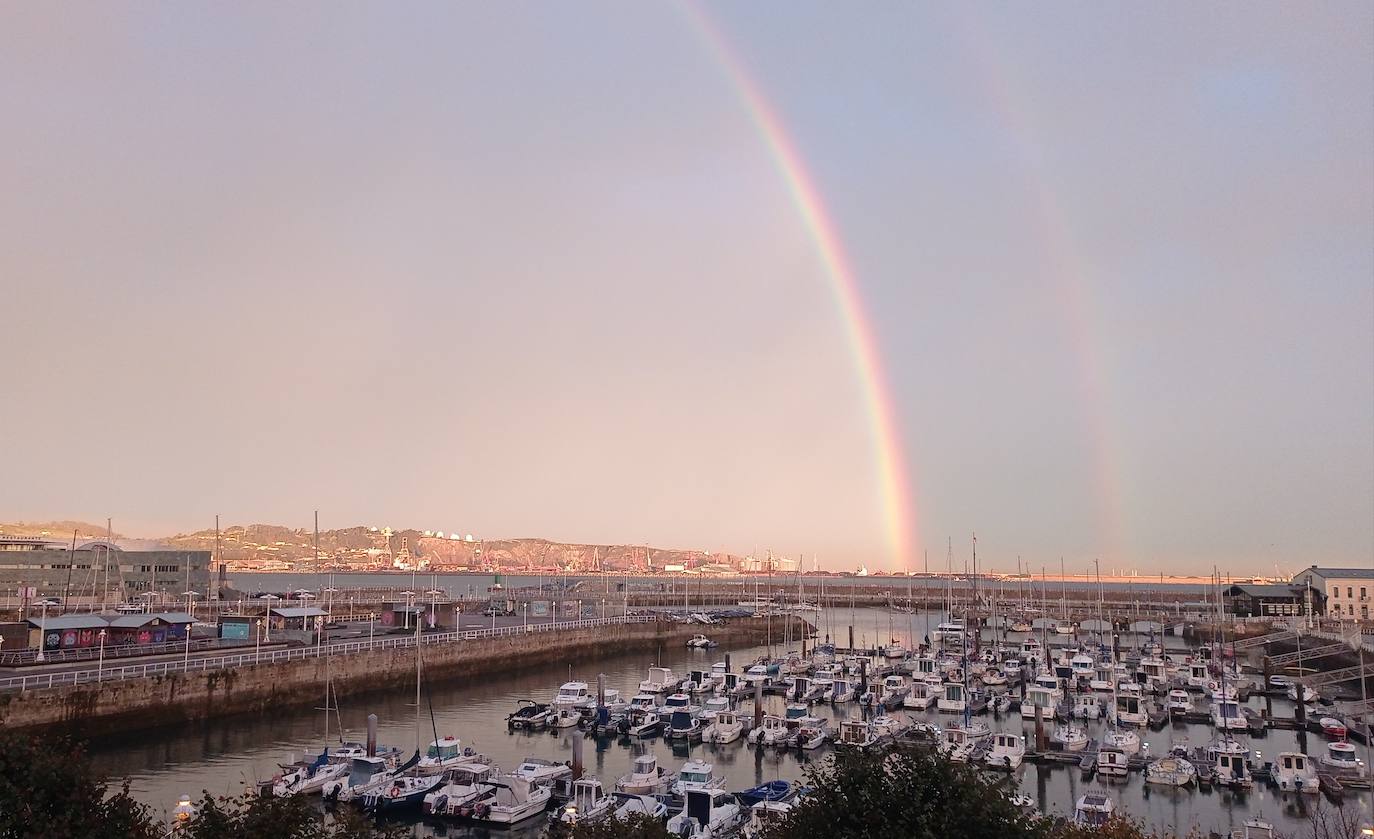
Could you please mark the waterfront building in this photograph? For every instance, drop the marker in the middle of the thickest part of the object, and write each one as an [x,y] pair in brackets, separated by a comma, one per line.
[1253,601]
[74,631]
[100,572]
[1347,590]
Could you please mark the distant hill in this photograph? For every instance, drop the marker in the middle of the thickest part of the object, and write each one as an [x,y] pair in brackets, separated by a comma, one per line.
[57,530]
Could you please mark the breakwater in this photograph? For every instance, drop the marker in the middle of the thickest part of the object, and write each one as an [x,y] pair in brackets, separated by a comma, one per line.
[253,688]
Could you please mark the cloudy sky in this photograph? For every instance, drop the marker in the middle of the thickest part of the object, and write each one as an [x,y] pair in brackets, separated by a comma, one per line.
[537,269]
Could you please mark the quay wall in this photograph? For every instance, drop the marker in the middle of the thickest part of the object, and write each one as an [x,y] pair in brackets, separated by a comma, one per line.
[135,704]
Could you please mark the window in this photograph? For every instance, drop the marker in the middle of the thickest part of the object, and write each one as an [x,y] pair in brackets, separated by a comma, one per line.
[1335,591]
[1350,591]
[1350,610]
[1364,592]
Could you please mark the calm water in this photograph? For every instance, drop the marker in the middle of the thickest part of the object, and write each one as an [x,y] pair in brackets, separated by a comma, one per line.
[222,755]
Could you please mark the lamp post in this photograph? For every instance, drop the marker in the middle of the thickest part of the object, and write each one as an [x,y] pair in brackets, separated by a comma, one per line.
[371,622]
[526,604]
[42,631]
[100,664]
[257,647]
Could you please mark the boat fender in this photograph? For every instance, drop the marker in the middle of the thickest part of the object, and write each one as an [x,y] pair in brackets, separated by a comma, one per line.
[395,791]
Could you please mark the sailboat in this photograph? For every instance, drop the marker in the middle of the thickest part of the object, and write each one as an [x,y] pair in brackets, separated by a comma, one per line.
[407,787]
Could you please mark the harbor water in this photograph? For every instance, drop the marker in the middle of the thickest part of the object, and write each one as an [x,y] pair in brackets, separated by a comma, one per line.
[226,755]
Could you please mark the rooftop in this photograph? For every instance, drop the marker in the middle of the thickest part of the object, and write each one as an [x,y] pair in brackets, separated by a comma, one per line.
[1344,573]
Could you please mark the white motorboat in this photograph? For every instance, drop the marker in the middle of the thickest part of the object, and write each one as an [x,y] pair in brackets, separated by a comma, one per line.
[1069,737]
[564,716]
[700,642]
[464,785]
[757,674]
[1170,771]
[528,716]
[1112,763]
[1198,676]
[363,772]
[308,777]
[628,805]
[1257,828]
[1295,772]
[1082,666]
[919,697]
[1308,694]
[540,771]
[1063,627]
[589,803]
[894,690]
[953,700]
[765,814]
[443,754]
[708,814]
[956,744]
[1227,716]
[1231,763]
[571,695]
[660,680]
[842,690]
[1019,625]
[725,728]
[697,775]
[1124,740]
[645,723]
[1094,809]
[949,632]
[1341,758]
[1086,706]
[1008,751]
[512,799]
[812,733]
[1155,671]
[993,678]
[1180,702]
[888,727]
[645,777]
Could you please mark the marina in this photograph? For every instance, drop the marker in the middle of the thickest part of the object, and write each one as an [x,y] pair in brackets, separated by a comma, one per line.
[1167,772]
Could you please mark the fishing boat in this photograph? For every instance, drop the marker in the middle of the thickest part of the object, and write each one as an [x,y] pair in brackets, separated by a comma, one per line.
[1341,758]
[1093,809]
[1112,763]
[463,785]
[697,775]
[528,716]
[856,734]
[1008,751]
[645,777]
[1070,738]
[660,680]
[725,728]
[1198,676]
[1154,671]
[1086,706]
[512,800]
[812,733]
[589,803]
[1170,771]
[628,805]
[708,814]
[770,791]
[1295,772]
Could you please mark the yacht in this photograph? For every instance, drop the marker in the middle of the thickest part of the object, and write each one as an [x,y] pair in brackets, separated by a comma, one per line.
[1093,809]
[708,814]
[1123,739]
[512,799]
[697,775]
[645,777]
[1112,763]
[463,785]
[1170,771]
[1070,738]
[1295,772]
[1341,758]
[589,803]
[725,728]
[757,674]
[1008,750]
[660,680]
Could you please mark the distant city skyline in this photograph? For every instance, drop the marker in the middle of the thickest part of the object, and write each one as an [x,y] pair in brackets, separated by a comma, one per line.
[1088,281]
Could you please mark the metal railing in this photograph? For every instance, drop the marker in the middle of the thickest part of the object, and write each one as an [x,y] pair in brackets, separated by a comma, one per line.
[391,642]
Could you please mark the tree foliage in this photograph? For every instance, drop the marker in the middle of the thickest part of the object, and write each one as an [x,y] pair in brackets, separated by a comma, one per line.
[48,789]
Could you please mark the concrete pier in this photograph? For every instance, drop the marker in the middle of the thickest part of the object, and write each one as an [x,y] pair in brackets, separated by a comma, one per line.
[135,704]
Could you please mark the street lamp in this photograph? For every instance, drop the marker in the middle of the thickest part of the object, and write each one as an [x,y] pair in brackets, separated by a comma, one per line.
[42,631]
[371,622]
[409,603]
[257,647]
[100,665]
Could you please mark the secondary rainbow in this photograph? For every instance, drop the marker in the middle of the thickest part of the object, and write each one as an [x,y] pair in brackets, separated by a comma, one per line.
[899,509]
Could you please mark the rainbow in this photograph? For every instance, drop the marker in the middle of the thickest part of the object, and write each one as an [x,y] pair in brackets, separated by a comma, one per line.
[899,509]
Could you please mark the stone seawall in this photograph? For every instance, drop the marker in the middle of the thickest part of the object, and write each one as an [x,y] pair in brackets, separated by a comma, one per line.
[148,703]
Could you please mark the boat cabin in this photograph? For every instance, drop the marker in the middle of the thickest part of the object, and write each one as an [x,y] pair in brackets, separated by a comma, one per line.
[571,693]
[854,733]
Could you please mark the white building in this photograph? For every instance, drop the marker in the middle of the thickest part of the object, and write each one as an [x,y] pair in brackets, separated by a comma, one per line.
[1347,590]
